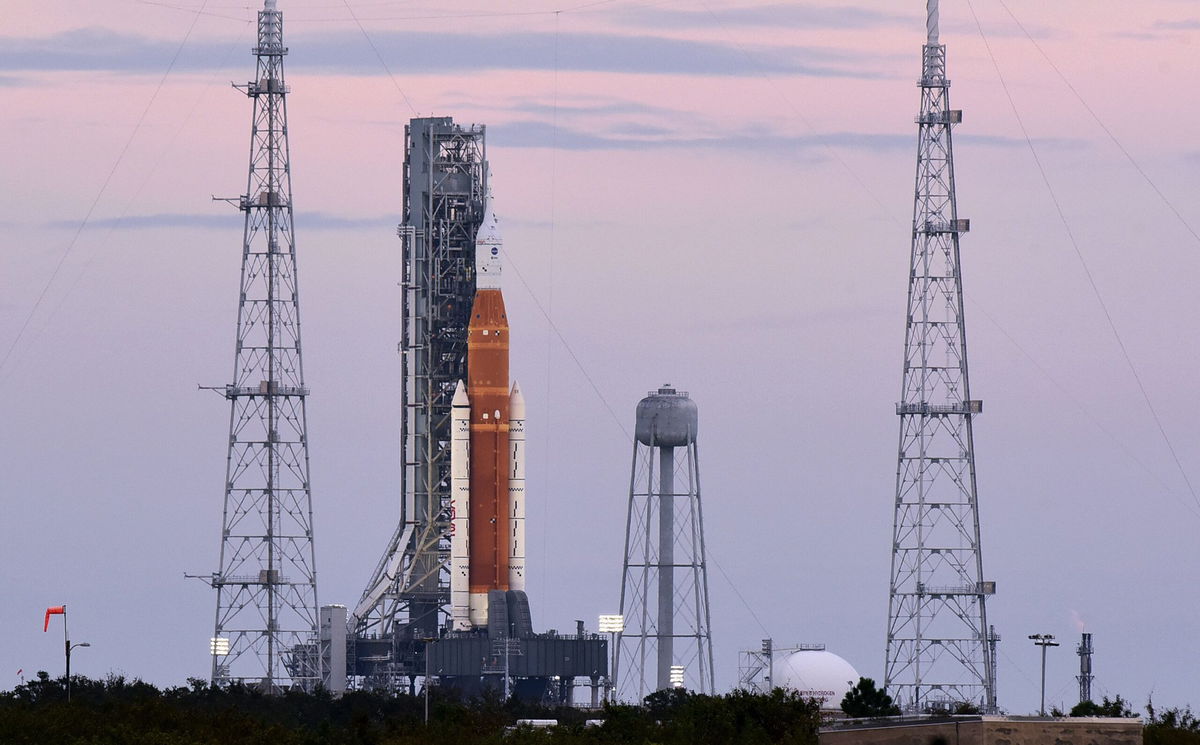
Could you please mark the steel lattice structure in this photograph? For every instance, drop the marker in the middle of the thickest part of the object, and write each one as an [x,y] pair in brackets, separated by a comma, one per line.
[664,576]
[938,638]
[445,173]
[267,585]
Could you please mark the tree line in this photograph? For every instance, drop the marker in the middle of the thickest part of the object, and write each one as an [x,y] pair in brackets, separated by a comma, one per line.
[132,712]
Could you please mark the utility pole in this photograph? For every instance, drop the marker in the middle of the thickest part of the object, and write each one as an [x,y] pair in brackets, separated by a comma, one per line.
[938,636]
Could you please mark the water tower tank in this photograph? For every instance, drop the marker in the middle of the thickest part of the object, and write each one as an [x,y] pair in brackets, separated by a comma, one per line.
[666,418]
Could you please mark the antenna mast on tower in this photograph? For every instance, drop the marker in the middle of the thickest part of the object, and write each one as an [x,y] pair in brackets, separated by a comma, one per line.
[1085,677]
[938,638]
[266,617]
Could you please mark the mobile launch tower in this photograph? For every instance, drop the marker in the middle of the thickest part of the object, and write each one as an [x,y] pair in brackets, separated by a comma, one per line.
[446,602]
[445,182]
[939,644]
[266,618]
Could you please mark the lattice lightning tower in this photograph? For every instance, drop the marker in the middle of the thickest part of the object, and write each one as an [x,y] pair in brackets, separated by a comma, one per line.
[266,616]
[938,639]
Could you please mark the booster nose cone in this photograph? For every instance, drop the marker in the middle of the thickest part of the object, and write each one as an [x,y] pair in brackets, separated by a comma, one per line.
[460,396]
[516,403]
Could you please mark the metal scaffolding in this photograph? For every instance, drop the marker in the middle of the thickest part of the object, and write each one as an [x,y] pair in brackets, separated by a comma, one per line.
[445,171]
[938,639]
[266,618]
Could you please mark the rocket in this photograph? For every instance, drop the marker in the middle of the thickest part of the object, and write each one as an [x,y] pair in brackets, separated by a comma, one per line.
[487,451]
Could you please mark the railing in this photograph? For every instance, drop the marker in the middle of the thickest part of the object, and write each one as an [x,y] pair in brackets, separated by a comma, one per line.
[264,577]
[951,116]
[966,407]
[979,588]
[264,389]
[946,226]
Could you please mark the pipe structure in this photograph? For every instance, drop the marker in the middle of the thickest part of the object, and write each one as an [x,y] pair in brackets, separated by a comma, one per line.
[666,565]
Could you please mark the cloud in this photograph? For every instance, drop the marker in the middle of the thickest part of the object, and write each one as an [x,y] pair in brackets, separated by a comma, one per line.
[1052,143]
[141,222]
[776,15]
[427,53]
[345,52]
[812,18]
[1187,24]
[539,134]
[1139,35]
[86,49]
[584,108]
[304,221]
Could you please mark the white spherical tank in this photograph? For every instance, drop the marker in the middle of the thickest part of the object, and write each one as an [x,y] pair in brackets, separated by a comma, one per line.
[820,675]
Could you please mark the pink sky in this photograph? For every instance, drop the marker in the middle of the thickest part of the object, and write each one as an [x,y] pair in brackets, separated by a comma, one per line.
[725,209]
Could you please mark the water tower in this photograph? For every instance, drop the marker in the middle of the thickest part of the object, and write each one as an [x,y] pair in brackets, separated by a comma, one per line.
[664,582]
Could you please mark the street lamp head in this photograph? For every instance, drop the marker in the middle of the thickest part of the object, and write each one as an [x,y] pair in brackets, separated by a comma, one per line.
[84,644]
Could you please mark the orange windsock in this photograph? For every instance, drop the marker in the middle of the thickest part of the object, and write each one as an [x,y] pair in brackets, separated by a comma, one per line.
[55,610]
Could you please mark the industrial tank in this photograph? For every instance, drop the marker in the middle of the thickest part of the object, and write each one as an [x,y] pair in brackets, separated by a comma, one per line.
[816,674]
[666,418]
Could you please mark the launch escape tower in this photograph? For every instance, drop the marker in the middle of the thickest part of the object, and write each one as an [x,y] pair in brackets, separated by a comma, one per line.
[444,187]
[266,617]
[939,645]
[666,641]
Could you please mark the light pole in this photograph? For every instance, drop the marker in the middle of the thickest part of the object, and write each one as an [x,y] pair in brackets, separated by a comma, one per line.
[1043,641]
[69,647]
[612,625]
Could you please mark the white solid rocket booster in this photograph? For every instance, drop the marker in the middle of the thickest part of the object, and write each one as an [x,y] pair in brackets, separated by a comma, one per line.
[460,507]
[516,489]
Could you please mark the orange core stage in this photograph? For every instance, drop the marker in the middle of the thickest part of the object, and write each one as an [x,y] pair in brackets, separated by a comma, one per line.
[487,387]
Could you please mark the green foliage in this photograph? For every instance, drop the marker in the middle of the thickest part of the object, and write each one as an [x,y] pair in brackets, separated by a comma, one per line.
[132,712]
[1116,707]
[865,700]
[1170,727]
